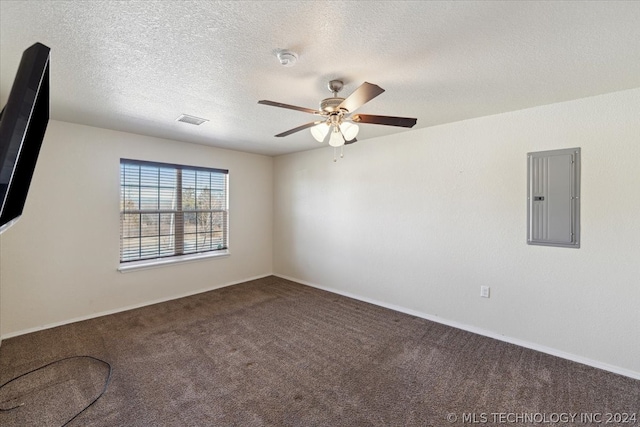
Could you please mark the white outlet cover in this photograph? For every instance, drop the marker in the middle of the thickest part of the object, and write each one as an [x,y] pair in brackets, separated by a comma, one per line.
[484,291]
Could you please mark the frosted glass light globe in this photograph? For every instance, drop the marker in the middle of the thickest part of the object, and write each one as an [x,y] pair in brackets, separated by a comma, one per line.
[320,131]
[349,130]
[336,139]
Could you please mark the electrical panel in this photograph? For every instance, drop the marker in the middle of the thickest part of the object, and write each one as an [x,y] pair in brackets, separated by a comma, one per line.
[553,198]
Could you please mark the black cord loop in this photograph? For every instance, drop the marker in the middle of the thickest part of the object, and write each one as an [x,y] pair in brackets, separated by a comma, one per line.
[104,389]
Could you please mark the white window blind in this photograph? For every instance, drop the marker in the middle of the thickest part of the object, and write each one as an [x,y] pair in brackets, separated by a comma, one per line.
[171,210]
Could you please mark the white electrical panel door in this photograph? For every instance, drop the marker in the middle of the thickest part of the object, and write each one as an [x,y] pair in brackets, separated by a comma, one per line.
[553,198]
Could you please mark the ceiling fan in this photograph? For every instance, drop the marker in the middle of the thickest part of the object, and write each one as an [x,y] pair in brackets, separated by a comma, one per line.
[337,118]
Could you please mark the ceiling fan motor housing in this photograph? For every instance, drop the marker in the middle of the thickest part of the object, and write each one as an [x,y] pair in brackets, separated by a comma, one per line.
[330,104]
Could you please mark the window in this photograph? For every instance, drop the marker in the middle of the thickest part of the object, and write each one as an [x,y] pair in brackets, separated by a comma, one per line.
[171,210]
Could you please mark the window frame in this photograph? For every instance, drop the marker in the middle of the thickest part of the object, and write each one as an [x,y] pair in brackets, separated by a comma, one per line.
[178,232]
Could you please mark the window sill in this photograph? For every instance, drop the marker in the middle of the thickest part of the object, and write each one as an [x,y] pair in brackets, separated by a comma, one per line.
[161,262]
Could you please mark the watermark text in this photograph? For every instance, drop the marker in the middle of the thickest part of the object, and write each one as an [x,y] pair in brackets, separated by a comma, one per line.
[532,418]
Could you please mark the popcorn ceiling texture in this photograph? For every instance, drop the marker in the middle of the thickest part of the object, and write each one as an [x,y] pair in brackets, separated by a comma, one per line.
[136,66]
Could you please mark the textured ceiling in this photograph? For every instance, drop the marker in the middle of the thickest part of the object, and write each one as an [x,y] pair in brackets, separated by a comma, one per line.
[137,65]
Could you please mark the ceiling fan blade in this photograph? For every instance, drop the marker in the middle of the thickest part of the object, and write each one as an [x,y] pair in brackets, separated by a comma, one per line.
[405,122]
[299,128]
[351,142]
[291,107]
[365,93]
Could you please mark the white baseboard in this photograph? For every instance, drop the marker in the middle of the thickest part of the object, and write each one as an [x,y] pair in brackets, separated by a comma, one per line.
[476,330]
[129,307]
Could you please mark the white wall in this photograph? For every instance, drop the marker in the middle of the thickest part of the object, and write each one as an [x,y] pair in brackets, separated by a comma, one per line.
[419,220]
[58,263]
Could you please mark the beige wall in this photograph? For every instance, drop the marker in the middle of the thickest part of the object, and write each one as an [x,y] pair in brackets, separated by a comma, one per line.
[420,220]
[59,262]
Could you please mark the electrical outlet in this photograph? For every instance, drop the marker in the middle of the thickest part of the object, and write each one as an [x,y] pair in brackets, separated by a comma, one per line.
[484,291]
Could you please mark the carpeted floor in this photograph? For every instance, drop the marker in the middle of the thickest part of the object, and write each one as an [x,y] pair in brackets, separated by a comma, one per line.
[271,352]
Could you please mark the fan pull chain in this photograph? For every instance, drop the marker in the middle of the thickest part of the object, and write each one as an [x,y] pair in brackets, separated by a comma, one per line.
[335,153]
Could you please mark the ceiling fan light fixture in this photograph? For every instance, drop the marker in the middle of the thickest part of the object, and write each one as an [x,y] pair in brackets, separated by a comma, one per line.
[320,132]
[336,139]
[349,130]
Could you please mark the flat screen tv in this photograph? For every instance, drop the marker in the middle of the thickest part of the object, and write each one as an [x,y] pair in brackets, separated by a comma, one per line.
[23,122]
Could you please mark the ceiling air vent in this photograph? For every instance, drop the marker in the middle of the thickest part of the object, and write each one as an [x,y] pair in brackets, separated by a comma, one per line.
[192,120]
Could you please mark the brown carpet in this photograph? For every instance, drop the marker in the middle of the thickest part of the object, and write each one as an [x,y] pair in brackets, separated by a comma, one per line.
[271,352]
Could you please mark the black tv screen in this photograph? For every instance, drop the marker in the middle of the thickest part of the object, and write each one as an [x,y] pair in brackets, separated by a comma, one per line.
[23,122]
